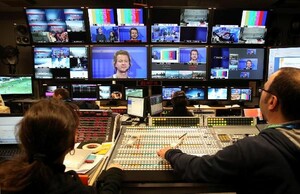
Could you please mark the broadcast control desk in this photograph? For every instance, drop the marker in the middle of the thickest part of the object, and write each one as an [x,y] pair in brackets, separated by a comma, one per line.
[145,172]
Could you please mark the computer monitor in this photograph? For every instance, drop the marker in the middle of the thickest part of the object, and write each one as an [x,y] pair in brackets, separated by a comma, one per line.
[195,92]
[136,106]
[16,86]
[173,62]
[84,92]
[48,90]
[60,62]
[241,94]
[134,91]
[110,92]
[105,67]
[156,106]
[57,25]
[283,57]
[168,91]
[217,93]
[237,63]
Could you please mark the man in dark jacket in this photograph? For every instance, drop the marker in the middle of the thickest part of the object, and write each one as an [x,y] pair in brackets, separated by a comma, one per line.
[266,163]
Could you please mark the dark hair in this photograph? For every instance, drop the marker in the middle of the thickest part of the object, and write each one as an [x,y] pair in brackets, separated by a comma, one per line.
[286,87]
[47,133]
[63,92]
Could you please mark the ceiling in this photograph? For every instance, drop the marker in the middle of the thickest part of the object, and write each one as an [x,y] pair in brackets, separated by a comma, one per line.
[17,5]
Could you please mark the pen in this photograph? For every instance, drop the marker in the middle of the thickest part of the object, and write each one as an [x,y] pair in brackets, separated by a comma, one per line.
[182,136]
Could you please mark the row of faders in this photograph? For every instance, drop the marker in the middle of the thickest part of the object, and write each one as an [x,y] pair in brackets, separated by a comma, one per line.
[137,147]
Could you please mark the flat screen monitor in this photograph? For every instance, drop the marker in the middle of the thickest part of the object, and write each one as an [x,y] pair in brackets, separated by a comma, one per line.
[236,26]
[156,106]
[60,62]
[48,90]
[132,34]
[240,94]
[168,91]
[134,91]
[283,57]
[16,85]
[237,63]
[179,25]
[130,16]
[136,106]
[110,92]
[195,93]
[120,62]
[187,63]
[84,92]
[57,25]
[217,93]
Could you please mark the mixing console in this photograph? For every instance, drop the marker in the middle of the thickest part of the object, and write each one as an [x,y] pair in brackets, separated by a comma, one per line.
[96,126]
[138,146]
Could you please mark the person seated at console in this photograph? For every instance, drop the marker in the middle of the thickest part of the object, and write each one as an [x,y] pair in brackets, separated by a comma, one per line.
[61,94]
[179,102]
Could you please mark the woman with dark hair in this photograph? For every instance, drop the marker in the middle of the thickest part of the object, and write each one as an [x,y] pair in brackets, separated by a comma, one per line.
[47,133]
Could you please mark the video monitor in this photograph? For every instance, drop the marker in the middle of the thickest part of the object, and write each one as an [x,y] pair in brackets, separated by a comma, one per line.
[136,106]
[240,94]
[254,18]
[128,62]
[134,91]
[179,25]
[225,34]
[168,91]
[217,93]
[60,62]
[84,92]
[110,92]
[236,26]
[283,57]
[48,90]
[57,25]
[169,63]
[132,34]
[156,106]
[16,85]
[237,63]
[195,92]
[130,16]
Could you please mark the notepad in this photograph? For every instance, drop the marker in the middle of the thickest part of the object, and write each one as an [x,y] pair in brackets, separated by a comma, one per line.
[76,160]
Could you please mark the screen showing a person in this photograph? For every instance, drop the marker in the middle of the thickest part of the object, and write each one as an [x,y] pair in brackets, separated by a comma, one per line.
[103,25]
[60,62]
[16,85]
[57,25]
[195,93]
[178,63]
[240,94]
[283,57]
[239,26]
[136,92]
[136,106]
[119,62]
[217,93]
[237,63]
[49,89]
[110,92]
[168,91]
[156,106]
[84,92]
[179,25]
